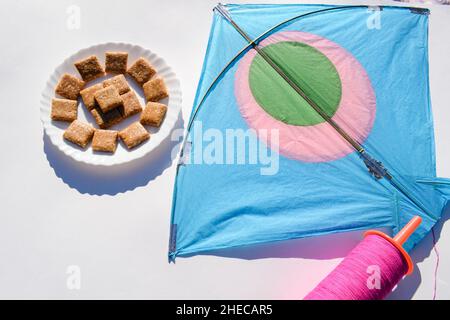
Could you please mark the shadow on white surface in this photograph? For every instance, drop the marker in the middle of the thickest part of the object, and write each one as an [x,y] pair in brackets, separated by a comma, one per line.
[331,246]
[104,180]
[338,246]
[407,287]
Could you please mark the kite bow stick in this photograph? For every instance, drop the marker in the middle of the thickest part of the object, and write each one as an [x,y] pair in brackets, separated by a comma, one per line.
[375,167]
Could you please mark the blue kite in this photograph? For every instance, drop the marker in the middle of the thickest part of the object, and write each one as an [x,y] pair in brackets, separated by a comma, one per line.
[308,120]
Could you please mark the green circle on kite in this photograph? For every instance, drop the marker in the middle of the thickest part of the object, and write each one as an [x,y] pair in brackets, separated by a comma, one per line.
[310,69]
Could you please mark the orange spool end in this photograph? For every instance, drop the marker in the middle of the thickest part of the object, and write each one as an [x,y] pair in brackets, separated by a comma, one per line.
[400,239]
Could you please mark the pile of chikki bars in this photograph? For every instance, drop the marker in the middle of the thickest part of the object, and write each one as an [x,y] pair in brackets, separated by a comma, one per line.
[110,102]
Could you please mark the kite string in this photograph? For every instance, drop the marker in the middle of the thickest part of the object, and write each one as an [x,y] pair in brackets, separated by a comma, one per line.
[436,268]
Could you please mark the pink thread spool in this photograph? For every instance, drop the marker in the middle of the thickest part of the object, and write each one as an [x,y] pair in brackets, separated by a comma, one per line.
[371,270]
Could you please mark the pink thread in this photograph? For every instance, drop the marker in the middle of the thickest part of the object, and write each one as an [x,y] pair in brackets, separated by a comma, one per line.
[369,272]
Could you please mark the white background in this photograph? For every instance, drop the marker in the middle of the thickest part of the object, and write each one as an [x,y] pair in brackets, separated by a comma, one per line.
[50,217]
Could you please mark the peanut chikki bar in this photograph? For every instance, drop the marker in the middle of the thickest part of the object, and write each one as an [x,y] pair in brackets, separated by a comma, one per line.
[141,71]
[116,62]
[155,90]
[153,114]
[105,140]
[131,104]
[119,82]
[79,133]
[88,95]
[69,87]
[64,110]
[89,68]
[106,119]
[134,135]
[108,98]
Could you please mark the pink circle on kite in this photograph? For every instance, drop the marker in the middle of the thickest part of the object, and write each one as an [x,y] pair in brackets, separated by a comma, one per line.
[315,143]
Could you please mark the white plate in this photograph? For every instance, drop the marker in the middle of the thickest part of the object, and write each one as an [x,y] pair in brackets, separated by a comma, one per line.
[55,129]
